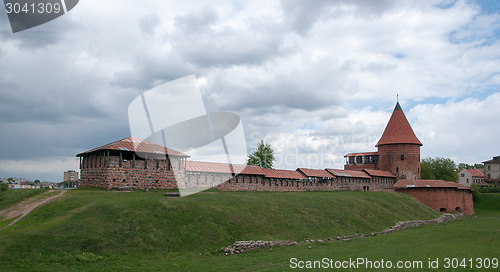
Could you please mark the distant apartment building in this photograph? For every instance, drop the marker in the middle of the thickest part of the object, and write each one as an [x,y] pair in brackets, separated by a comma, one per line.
[467,177]
[70,175]
[492,169]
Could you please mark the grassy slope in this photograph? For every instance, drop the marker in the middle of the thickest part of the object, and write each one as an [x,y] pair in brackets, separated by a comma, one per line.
[13,196]
[99,230]
[475,236]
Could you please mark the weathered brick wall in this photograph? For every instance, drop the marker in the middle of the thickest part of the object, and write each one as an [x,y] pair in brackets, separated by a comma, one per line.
[361,166]
[409,168]
[443,199]
[259,183]
[112,173]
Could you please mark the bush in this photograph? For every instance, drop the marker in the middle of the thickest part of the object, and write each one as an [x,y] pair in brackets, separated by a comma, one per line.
[490,189]
[476,194]
[4,187]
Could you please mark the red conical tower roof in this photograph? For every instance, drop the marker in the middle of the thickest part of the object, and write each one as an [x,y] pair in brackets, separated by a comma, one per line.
[398,130]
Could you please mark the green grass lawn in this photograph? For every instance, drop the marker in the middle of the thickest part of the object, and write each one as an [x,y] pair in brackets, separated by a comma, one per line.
[13,196]
[93,230]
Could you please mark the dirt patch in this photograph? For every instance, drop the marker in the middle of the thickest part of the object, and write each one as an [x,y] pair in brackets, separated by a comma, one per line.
[20,210]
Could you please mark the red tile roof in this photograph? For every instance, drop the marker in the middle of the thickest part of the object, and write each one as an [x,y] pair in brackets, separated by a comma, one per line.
[348,173]
[398,130]
[427,183]
[317,173]
[475,172]
[136,145]
[379,173]
[483,183]
[361,154]
[282,174]
[216,167]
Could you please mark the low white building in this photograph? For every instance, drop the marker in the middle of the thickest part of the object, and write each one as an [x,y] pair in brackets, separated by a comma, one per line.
[467,177]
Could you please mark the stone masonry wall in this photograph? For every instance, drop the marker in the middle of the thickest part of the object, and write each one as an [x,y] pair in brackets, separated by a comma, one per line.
[111,173]
[260,183]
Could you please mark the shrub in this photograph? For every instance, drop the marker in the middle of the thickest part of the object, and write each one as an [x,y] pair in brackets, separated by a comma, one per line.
[476,194]
[4,187]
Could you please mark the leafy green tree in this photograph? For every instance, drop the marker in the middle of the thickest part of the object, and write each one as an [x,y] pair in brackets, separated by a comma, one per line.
[469,166]
[10,180]
[263,156]
[438,168]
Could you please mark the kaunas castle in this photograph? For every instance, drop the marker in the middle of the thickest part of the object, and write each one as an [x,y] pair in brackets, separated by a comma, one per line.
[138,164]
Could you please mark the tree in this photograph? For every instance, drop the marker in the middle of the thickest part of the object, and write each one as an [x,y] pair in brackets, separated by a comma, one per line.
[439,168]
[469,166]
[263,156]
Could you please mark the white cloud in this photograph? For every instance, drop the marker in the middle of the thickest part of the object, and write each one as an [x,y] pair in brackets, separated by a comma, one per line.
[463,130]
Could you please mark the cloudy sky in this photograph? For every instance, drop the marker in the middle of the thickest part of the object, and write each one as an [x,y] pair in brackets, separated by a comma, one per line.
[316,79]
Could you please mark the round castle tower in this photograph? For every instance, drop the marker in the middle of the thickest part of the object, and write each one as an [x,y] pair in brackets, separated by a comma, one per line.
[399,148]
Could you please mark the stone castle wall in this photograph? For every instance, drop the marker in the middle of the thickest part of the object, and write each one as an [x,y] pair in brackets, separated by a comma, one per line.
[261,183]
[111,172]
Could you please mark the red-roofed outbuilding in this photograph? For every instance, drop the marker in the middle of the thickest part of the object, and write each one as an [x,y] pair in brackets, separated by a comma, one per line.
[439,195]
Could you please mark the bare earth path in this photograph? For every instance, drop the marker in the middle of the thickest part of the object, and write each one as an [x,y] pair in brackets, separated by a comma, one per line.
[25,207]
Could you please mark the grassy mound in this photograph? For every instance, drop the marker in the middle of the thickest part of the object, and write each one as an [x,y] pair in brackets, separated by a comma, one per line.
[87,226]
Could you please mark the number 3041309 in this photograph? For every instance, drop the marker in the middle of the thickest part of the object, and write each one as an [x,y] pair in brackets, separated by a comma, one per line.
[33,8]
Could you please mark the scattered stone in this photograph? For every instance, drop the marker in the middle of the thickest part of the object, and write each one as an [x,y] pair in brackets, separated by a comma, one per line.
[173,194]
[243,246]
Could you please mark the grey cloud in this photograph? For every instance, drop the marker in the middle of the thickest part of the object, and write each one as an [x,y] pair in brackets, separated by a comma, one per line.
[199,42]
[379,67]
[148,23]
[151,68]
[194,22]
[302,15]
[307,88]
[35,140]
[39,37]
[46,93]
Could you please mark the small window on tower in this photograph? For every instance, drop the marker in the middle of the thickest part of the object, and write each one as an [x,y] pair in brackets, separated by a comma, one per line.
[402,157]
[389,157]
